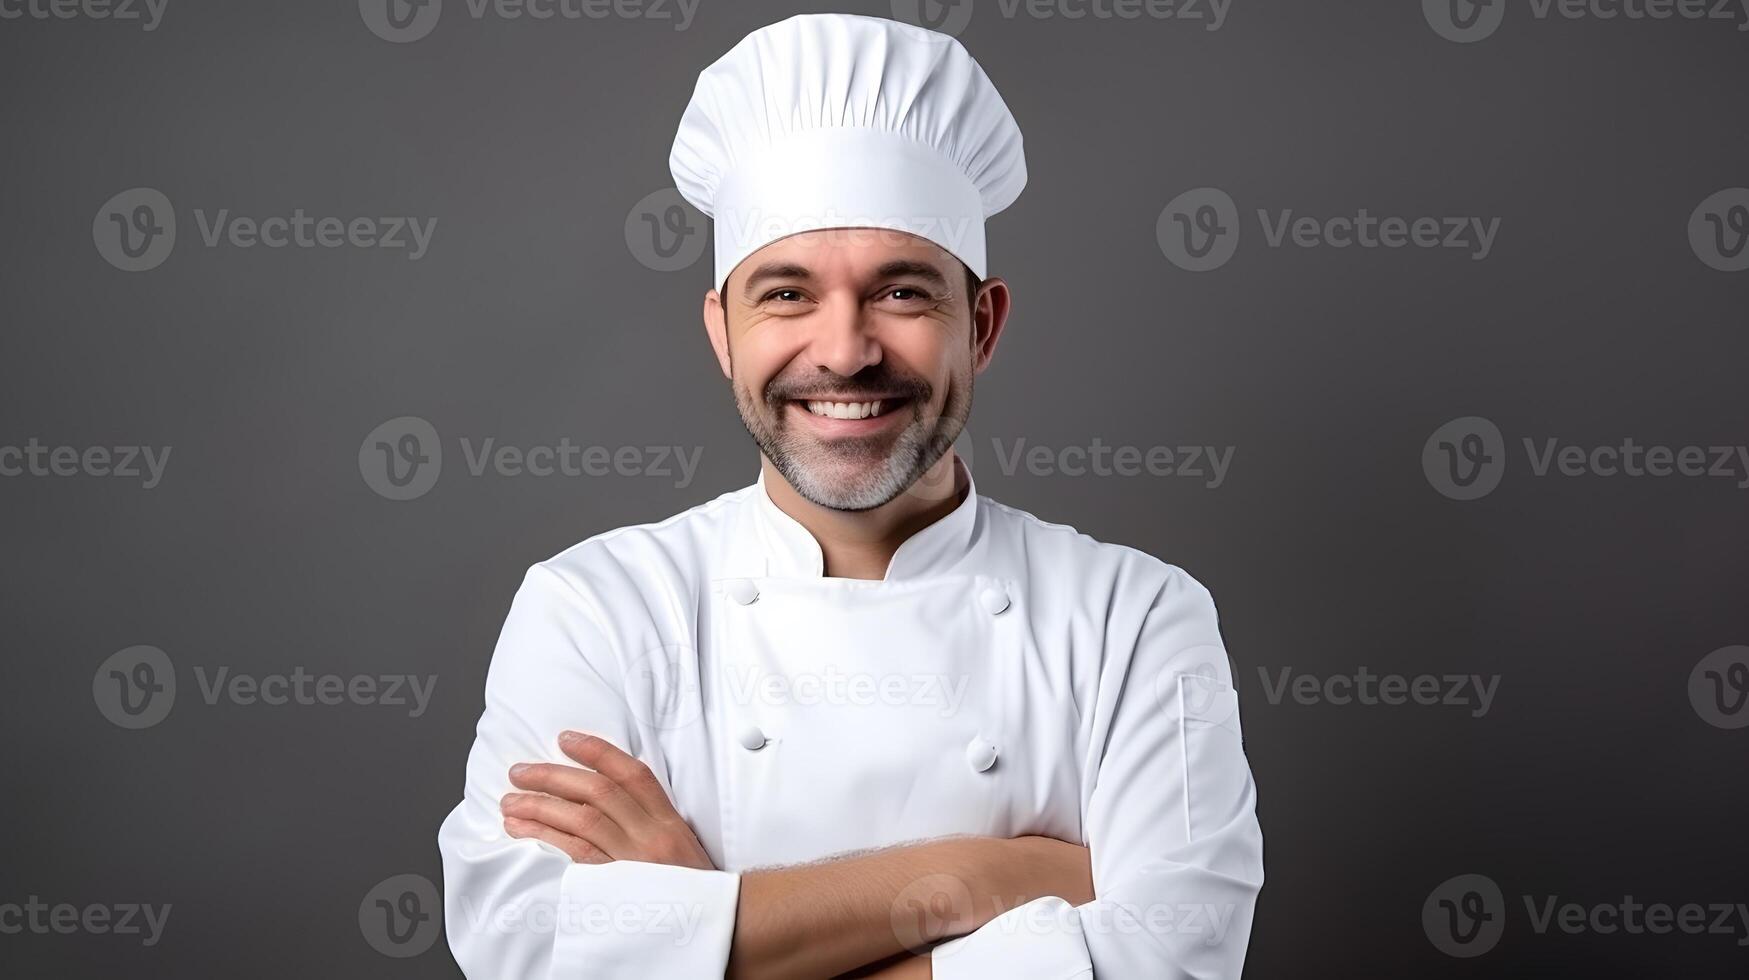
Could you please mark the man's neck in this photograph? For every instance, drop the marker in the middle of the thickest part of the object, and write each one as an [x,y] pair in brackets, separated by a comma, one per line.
[861,544]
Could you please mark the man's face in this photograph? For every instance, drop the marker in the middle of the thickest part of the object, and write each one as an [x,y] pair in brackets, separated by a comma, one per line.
[851,354]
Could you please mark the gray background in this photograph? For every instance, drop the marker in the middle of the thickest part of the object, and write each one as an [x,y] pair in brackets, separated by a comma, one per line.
[1593,776]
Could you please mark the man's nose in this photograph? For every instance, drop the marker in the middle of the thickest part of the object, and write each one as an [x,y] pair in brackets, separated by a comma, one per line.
[843,340]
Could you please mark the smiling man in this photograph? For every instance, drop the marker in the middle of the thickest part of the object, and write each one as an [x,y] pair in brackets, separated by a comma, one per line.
[854,719]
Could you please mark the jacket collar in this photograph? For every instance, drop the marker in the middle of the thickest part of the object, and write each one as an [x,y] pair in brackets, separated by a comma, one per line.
[783,548]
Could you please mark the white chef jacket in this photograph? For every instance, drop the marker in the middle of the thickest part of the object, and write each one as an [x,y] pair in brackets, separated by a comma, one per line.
[1007,677]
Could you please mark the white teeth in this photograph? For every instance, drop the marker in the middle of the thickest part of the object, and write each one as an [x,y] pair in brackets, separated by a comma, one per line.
[846,410]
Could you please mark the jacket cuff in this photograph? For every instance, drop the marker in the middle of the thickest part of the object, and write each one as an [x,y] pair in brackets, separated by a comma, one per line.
[635,920]
[1041,939]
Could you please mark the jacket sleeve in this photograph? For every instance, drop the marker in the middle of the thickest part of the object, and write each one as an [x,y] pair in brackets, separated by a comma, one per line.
[518,909]
[1177,852]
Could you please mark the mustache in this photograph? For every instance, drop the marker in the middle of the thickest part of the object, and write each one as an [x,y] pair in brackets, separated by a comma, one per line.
[865,385]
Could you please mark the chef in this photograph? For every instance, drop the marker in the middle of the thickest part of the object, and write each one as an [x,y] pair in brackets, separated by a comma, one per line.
[854,719]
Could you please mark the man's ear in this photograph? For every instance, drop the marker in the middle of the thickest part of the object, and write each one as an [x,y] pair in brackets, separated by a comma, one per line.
[716,327]
[990,306]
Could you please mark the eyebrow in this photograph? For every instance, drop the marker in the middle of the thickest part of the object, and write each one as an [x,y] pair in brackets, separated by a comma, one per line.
[910,267]
[774,270]
[790,270]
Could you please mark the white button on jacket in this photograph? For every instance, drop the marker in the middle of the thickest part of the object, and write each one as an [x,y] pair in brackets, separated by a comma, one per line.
[1007,677]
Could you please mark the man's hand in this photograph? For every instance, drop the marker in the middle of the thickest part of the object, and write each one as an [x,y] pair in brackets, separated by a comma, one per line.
[817,919]
[614,810]
[854,915]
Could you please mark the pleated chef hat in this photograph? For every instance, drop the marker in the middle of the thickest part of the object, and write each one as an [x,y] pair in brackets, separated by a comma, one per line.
[845,121]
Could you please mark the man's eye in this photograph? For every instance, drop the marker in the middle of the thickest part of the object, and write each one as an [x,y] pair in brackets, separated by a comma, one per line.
[904,293]
[785,295]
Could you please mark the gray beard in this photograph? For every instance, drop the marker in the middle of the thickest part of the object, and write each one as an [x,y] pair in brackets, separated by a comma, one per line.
[809,466]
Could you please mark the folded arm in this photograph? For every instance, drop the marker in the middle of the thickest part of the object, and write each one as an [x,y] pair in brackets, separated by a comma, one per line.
[819,919]
[1176,848]
[522,903]
[578,863]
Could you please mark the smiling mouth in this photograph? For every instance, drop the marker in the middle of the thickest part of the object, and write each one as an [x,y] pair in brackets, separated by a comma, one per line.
[866,410]
[848,410]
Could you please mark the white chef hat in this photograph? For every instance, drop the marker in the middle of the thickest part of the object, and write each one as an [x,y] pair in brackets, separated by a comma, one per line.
[846,121]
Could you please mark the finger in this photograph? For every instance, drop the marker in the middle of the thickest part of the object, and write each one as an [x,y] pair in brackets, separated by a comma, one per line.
[580,786]
[580,851]
[579,820]
[629,773]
